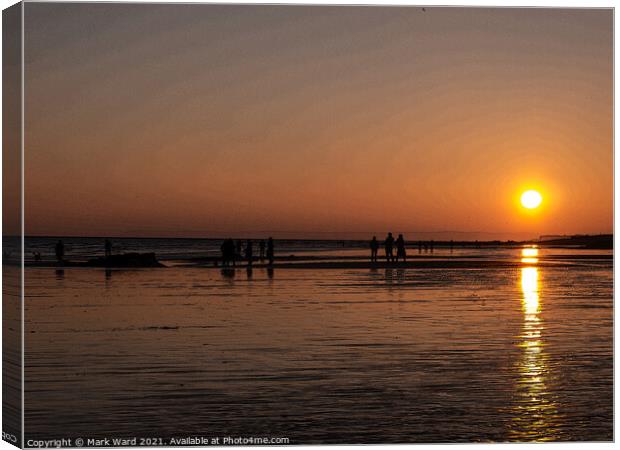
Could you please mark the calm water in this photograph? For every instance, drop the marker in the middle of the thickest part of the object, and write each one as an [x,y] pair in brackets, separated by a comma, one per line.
[322,356]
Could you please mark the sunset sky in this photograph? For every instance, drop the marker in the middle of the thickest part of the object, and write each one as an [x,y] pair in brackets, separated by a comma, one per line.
[204,120]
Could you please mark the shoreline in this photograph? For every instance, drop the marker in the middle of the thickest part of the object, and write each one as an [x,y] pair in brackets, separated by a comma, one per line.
[420,262]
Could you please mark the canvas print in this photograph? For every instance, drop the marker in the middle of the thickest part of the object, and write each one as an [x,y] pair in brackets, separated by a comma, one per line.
[231,224]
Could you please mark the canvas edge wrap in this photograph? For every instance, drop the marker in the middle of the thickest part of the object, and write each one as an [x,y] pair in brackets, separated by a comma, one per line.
[12,225]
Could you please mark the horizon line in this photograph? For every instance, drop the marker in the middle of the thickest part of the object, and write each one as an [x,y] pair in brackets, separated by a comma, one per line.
[565,235]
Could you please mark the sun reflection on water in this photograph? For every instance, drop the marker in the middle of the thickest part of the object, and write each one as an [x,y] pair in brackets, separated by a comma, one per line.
[535,411]
[529,255]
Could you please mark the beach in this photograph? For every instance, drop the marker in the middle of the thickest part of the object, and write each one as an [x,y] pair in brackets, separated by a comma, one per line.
[272,224]
[517,351]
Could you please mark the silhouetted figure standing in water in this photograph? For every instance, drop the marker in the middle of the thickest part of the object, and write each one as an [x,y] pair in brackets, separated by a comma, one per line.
[108,248]
[60,251]
[239,247]
[261,247]
[400,248]
[374,249]
[224,253]
[389,246]
[228,252]
[270,250]
[248,252]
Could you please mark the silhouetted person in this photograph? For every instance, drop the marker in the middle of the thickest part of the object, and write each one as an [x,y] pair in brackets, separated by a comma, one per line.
[400,248]
[389,246]
[248,252]
[223,253]
[261,246]
[228,252]
[37,256]
[232,254]
[239,247]
[374,249]
[108,248]
[60,251]
[270,250]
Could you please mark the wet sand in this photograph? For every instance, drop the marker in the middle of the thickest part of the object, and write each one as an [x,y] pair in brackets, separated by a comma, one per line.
[520,352]
[356,262]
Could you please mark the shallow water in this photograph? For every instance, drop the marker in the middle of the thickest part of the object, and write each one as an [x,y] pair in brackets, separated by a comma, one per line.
[175,251]
[322,356]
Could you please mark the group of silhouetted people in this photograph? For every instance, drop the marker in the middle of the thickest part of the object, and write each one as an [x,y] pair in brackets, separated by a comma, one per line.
[401,252]
[232,252]
[389,244]
[59,250]
[395,250]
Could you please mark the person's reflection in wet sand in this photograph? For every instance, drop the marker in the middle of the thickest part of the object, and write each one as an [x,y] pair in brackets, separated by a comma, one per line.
[108,278]
[400,276]
[389,276]
[60,274]
[270,272]
[228,273]
[248,272]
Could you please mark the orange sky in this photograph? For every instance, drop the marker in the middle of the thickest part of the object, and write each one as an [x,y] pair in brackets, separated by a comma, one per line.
[203,120]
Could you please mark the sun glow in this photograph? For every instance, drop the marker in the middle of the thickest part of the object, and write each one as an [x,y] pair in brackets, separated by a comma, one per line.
[531,199]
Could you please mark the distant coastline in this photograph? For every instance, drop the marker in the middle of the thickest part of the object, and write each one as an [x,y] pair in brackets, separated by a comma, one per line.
[595,241]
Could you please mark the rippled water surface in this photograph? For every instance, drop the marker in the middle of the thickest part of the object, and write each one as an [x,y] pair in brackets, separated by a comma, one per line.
[322,356]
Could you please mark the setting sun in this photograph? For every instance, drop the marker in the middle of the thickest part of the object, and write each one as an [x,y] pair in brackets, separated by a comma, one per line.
[531,199]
